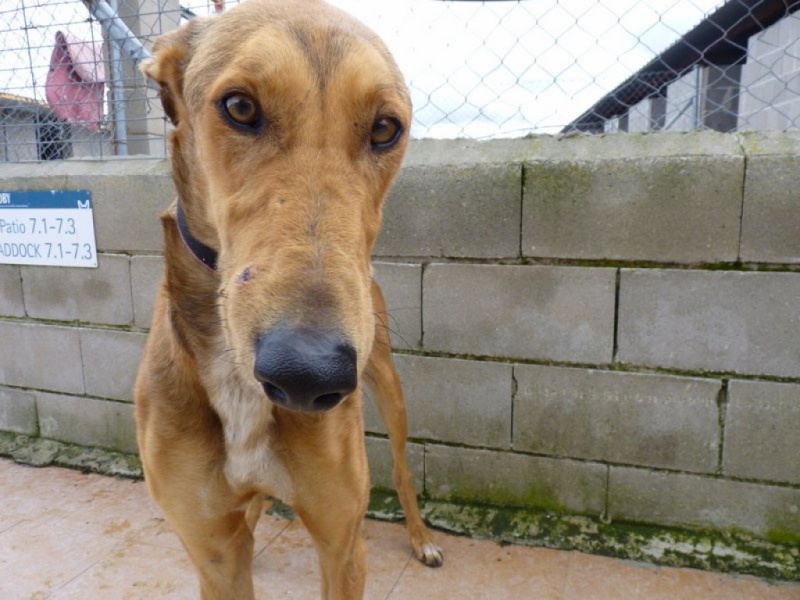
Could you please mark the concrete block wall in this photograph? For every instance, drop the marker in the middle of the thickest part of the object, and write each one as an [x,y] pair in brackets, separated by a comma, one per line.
[597,325]
[71,338]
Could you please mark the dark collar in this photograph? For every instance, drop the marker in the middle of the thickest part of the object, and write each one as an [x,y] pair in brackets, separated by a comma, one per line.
[206,255]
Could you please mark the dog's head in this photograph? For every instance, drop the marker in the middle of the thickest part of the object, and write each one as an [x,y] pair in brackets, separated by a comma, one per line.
[291,120]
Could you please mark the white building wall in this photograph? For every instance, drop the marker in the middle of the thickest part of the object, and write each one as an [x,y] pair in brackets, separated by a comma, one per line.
[639,117]
[681,112]
[770,86]
[611,125]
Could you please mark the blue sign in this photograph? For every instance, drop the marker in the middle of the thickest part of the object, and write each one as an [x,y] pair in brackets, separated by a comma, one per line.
[47,228]
[46,199]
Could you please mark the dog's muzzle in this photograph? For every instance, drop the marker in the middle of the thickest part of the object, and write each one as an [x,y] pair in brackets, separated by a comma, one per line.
[305,369]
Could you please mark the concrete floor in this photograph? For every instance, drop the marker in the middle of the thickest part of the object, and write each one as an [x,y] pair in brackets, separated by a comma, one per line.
[65,535]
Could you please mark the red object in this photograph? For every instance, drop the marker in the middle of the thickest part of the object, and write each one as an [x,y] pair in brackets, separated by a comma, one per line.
[75,83]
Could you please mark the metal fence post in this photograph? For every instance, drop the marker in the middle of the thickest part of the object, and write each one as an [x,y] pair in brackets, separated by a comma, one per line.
[144,121]
[117,91]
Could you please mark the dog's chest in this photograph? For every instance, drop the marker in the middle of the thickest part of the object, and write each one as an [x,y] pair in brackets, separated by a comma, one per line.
[258,468]
[250,462]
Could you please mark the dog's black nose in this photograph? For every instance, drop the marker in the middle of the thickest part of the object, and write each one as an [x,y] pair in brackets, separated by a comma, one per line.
[305,369]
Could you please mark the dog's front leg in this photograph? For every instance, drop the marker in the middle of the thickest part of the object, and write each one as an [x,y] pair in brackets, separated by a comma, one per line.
[384,383]
[214,525]
[342,554]
[326,459]
[221,549]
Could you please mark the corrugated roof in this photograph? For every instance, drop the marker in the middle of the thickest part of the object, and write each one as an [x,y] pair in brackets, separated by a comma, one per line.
[13,101]
[719,39]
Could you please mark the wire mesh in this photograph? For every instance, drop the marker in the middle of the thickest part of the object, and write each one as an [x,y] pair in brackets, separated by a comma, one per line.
[475,69]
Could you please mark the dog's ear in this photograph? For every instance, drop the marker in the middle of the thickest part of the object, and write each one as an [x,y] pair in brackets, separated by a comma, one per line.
[171,54]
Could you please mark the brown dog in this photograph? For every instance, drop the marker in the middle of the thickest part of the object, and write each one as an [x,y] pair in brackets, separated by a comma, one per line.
[291,120]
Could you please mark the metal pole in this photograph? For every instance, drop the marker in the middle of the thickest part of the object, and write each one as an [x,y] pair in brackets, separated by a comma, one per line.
[698,96]
[117,90]
[118,31]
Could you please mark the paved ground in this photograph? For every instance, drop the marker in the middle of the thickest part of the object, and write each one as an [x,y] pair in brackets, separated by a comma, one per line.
[65,535]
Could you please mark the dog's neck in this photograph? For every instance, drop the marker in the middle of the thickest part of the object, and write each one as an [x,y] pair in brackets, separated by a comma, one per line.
[203,253]
[193,290]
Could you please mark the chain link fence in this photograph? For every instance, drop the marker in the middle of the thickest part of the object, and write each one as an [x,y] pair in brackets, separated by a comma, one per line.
[69,87]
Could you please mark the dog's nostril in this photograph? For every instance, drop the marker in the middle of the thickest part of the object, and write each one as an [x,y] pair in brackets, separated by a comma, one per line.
[326,401]
[275,393]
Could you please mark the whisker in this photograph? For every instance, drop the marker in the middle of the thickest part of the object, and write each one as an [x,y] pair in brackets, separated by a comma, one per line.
[391,315]
[227,355]
[369,376]
[395,332]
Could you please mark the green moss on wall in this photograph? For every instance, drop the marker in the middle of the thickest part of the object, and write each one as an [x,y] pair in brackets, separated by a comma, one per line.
[709,550]
[782,536]
[728,551]
[561,181]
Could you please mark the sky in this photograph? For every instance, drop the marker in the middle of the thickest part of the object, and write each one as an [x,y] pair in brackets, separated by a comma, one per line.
[475,69]
[510,68]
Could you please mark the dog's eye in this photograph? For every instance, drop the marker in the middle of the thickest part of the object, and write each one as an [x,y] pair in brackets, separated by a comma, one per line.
[385,132]
[242,111]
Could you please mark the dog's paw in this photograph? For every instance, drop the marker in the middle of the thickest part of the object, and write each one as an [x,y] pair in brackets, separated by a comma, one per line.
[430,555]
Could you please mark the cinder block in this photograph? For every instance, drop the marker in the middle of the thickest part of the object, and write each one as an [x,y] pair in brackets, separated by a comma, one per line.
[769,142]
[628,418]
[402,289]
[636,146]
[110,361]
[379,455]
[762,431]
[580,148]
[459,401]
[11,304]
[46,175]
[676,209]
[146,274]
[101,295]
[466,211]
[722,321]
[40,356]
[465,151]
[87,422]
[128,197]
[678,499]
[537,312]
[507,479]
[18,412]
[770,219]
